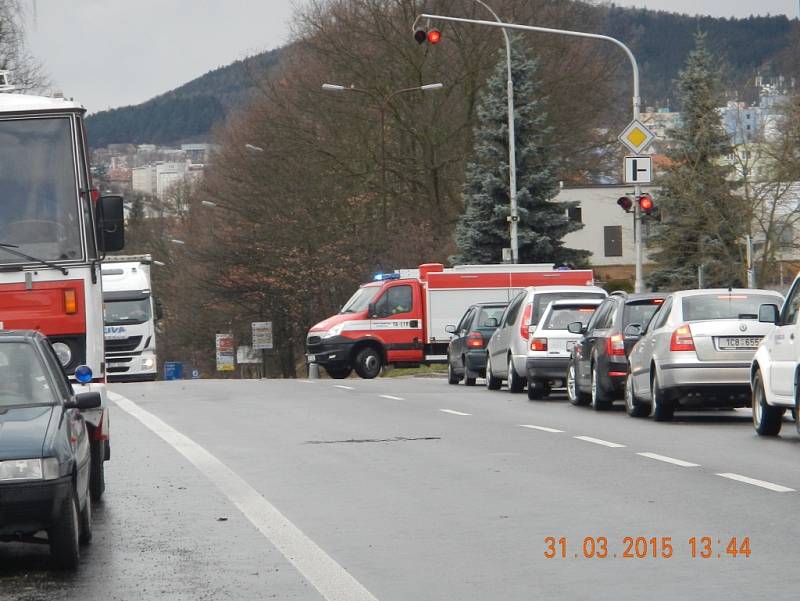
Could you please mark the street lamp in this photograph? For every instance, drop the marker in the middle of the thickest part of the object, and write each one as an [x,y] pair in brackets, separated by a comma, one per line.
[208,203]
[254,148]
[383,105]
[176,241]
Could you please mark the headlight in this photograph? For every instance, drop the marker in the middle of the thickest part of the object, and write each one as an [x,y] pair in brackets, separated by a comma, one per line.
[334,331]
[148,363]
[63,352]
[21,469]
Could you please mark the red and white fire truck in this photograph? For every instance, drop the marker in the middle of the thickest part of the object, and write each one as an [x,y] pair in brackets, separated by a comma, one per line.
[400,318]
[54,230]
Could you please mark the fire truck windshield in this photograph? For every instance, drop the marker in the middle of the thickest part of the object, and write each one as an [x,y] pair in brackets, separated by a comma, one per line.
[39,211]
[361,299]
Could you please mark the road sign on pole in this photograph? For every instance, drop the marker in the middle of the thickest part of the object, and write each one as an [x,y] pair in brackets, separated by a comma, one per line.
[638,170]
[636,137]
[225,353]
[262,335]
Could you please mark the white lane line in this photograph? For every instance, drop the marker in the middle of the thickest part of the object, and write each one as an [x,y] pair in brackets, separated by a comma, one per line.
[307,381]
[542,428]
[671,460]
[332,581]
[605,443]
[754,482]
[453,412]
[343,387]
[391,398]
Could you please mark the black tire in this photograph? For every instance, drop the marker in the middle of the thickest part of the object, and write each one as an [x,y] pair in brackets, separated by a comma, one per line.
[97,471]
[600,400]
[537,390]
[574,394]
[452,378]
[516,383]
[663,410]
[339,373]
[492,383]
[469,376]
[86,522]
[767,419]
[64,535]
[633,407]
[469,381]
[368,363]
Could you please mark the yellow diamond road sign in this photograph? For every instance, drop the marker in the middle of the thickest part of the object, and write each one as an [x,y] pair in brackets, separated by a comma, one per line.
[636,136]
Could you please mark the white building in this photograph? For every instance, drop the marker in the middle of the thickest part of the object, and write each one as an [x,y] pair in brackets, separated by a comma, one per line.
[143,179]
[168,175]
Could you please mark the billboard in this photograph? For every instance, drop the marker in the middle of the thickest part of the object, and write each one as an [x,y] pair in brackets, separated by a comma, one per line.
[262,335]
[225,353]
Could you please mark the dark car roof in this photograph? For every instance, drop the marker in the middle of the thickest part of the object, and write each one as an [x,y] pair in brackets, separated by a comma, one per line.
[19,335]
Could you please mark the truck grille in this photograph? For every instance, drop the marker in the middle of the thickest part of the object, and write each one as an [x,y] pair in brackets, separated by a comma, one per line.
[313,340]
[123,345]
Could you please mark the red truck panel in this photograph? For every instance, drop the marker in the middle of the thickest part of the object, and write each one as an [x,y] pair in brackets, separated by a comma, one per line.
[42,307]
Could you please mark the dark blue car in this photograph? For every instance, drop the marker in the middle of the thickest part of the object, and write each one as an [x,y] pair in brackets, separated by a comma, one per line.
[466,353]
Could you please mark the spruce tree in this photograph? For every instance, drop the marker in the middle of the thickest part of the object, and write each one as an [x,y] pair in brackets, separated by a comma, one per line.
[703,219]
[482,231]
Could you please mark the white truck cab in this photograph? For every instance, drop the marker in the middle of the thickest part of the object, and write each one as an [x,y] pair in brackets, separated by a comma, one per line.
[130,313]
[774,371]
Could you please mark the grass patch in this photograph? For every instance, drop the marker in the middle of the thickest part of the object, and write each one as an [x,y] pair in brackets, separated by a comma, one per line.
[396,372]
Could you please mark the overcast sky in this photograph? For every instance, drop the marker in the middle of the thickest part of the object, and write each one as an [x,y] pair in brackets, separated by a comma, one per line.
[109,53]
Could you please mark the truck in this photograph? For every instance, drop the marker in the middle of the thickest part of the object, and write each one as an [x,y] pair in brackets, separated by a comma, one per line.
[130,312]
[401,318]
[54,230]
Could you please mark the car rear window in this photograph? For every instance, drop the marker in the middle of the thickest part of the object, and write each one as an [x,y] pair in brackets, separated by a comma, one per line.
[487,313]
[640,312]
[560,317]
[541,300]
[724,306]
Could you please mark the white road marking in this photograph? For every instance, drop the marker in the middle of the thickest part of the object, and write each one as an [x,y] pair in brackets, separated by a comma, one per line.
[754,482]
[605,443]
[391,398]
[332,581]
[342,386]
[307,381]
[542,428]
[666,459]
[453,412]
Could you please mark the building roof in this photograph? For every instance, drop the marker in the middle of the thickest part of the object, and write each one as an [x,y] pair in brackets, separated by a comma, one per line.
[11,103]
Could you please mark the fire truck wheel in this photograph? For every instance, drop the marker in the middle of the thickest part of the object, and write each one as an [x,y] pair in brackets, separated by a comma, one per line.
[368,363]
[97,477]
[339,373]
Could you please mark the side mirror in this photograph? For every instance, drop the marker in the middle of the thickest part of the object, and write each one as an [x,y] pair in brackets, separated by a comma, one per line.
[491,323]
[576,327]
[450,329]
[372,310]
[85,400]
[111,223]
[159,309]
[633,330]
[768,313]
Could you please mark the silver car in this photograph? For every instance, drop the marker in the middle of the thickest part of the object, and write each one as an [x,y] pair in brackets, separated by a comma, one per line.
[507,351]
[696,352]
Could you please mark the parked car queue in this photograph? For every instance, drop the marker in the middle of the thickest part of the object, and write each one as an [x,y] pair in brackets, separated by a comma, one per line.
[659,352]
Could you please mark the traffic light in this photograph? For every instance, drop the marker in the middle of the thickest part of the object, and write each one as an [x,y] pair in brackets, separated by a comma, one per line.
[625,203]
[646,204]
[433,36]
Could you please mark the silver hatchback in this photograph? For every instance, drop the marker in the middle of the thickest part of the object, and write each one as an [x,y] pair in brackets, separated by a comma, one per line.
[696,352]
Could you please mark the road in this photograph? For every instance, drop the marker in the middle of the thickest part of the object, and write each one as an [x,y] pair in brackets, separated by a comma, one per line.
[408,488]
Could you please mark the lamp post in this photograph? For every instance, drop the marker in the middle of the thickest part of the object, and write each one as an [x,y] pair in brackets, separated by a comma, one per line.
[254,148]
[383,105]
[637,216]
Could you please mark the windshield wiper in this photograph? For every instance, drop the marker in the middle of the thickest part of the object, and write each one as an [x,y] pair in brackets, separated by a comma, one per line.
[10,248]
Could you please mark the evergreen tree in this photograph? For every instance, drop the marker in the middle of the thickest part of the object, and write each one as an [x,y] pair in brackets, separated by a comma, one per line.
[703,219]
[482,231]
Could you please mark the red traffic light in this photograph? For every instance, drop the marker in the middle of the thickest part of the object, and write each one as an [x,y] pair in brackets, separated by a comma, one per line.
[434,36]
[625,203]
[646,204]
[420,35]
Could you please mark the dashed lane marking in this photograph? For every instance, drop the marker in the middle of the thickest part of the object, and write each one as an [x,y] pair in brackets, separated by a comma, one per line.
[343,387]
[391,397]
[453,412]
[671,460]
[754,482]
[542,428]
[332,581]
[599,441]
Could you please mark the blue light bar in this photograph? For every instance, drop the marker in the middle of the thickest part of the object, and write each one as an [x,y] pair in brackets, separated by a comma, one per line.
[381,277]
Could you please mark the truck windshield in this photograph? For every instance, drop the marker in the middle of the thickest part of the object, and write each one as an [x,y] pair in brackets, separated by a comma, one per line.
[38,190]
[360,300]
[119,312]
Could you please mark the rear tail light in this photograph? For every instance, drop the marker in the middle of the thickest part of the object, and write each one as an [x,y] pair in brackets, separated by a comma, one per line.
[70,302]
[526,319]
[539,344]
[475,340]
[615,344]
[682,339]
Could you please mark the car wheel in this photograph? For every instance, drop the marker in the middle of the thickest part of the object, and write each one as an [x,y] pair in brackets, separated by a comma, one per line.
[339,373]
[766,418]
[97,470]
[663,410]
[86,522]
[632,406]
[469,377]
[368,363]
[515,382]
[492,383]
[452,378]
[537,390]
[600,401]
[576,397]
[63,536]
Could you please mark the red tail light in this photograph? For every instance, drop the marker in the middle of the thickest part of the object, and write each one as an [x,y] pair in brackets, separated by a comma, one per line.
[539,344]
[615,344]
[475,340]
[682,339]
[526,319]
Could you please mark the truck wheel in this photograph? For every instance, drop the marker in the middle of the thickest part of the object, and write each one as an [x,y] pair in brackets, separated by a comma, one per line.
[515,382]
[492,383]
[64,534]
[766,418]
[663,410]
[97,473]
[339,373]
[368,363]
[86,522]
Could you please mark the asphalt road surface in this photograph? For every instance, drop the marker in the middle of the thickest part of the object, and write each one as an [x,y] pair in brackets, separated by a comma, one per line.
[411,489]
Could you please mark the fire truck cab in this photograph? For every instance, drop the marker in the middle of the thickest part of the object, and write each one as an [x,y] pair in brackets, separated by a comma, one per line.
[400,318]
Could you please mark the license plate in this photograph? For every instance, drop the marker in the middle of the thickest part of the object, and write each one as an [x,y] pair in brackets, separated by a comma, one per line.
[312,358]
[739,342]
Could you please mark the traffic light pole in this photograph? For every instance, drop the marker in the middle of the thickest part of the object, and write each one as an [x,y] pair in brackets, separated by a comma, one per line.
[637,216]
